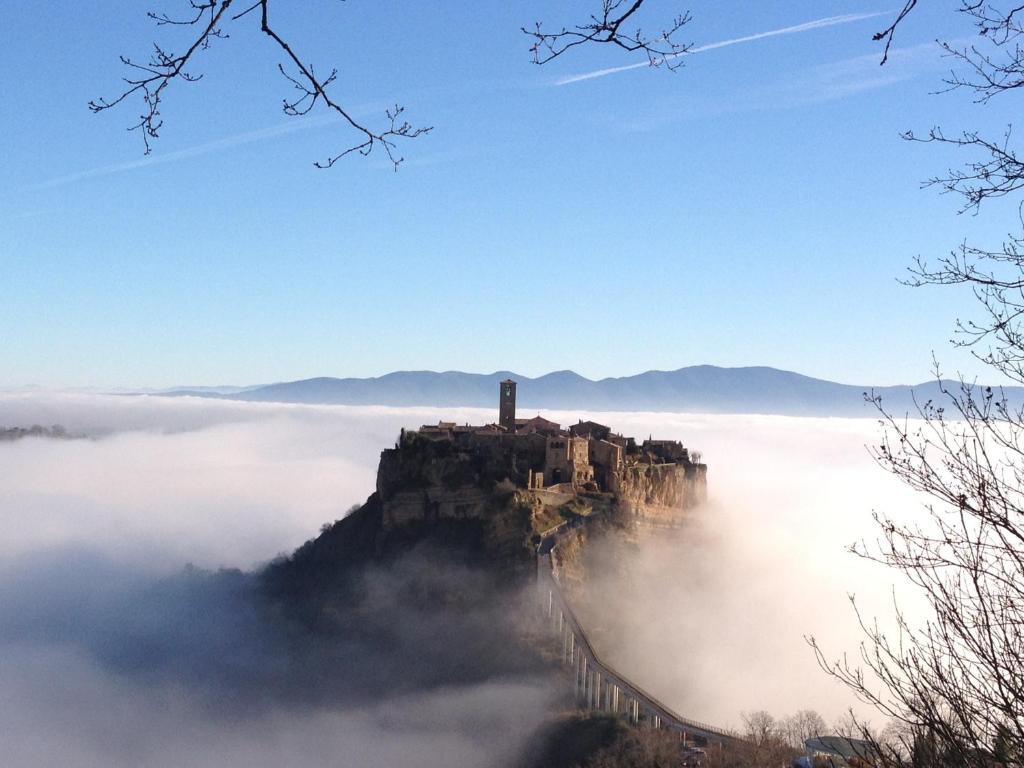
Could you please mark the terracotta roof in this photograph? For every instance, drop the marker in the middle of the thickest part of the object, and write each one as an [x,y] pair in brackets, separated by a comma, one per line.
[588,427]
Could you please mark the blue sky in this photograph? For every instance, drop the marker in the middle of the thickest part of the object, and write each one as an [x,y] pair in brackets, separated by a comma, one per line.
[753,208]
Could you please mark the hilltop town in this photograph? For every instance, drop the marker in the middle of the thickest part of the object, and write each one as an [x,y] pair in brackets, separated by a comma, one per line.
[449,471]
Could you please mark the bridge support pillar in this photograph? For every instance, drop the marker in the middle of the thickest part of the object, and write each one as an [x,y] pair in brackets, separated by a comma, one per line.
[576,674]
[613,699]
[655,721]
[634,711]
[595,690]
[581,679]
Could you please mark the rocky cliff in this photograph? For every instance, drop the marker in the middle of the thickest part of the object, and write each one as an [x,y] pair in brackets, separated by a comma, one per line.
[472,506]
[661,492]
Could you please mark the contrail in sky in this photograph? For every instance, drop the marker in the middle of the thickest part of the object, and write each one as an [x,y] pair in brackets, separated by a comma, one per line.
[181,154]
[807,26]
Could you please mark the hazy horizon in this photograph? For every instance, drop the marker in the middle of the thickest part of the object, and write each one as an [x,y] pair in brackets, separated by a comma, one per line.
[129,387]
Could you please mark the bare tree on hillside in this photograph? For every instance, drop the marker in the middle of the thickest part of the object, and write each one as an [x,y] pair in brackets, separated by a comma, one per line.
[764,743]
[207,21]
[801,726]
[954,686]
[639,748]
[765,739]
[956,683]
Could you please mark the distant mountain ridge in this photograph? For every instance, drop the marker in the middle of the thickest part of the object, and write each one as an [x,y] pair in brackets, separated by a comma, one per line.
[695,389]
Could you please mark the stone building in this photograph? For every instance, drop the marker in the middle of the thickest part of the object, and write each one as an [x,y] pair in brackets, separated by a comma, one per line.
[608,459]
[666,450]
[588,456]
[538,424]
[507,406]
[567,460]
[590,429]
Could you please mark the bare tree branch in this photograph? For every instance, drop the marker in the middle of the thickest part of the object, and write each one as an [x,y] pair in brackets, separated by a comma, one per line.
[607,27]
[888,33]
[996,279]
[996,65]
[311,89]
[152,79]
[209,17]
[996,173]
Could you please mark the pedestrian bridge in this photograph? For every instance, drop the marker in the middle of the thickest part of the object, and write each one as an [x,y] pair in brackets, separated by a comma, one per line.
[599,686]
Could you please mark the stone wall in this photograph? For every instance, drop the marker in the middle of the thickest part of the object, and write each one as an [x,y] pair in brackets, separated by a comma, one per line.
[421,463]
[434,504]
[567,460]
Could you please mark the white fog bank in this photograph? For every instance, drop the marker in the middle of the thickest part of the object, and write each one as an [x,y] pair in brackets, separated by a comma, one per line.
[715,618]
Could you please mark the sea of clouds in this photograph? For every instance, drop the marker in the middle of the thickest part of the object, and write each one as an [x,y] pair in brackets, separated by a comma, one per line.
[111,653]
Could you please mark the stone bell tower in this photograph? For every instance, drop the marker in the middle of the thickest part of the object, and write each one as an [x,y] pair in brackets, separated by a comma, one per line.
[507,405]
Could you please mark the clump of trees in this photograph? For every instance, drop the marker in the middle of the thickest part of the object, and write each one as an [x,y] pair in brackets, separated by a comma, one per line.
[768,741]
[604,741]
[36,430]
[639,749]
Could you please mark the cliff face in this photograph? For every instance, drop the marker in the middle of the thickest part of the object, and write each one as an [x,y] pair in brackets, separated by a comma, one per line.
[418,462]
[644,486]
[661,492]
[429,487]
[472,506]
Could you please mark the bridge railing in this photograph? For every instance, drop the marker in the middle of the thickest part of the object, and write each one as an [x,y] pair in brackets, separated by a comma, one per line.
[598,685]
